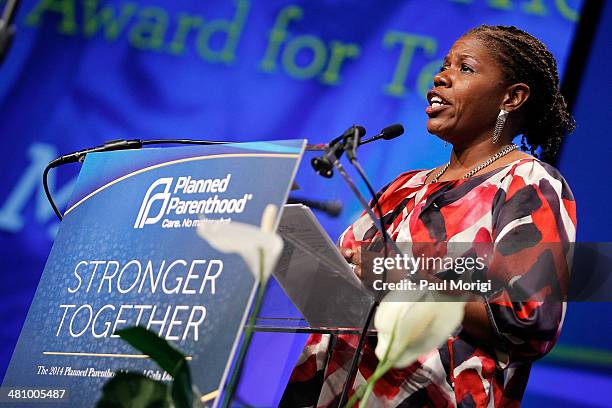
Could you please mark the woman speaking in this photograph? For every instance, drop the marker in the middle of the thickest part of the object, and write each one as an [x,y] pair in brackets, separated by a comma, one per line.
[496,82]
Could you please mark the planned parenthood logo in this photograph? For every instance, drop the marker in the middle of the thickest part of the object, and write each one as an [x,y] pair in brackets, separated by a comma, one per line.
[149,199]
[173,204]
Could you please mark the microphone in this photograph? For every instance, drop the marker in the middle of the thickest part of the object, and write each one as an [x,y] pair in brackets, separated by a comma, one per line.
[388,133]
[123,144]
[348,141]
[119,144]
[79,155]
[324,164]
[333,208]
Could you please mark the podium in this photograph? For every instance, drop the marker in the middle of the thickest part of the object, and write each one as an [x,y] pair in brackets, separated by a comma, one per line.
[127,254]
[312,292]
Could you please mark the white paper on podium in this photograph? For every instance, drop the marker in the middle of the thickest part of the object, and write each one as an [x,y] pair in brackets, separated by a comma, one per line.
[315,276]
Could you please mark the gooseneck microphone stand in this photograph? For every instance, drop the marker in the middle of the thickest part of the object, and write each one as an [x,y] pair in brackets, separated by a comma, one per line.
[349,143]
[112,145]
[331,208]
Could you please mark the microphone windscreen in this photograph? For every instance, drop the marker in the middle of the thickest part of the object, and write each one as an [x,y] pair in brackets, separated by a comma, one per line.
[392,131]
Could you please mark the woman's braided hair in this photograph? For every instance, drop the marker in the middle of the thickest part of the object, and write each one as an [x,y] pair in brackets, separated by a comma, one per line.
[523,58]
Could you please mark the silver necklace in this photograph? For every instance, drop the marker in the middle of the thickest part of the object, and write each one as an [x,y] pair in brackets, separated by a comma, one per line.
[507,149]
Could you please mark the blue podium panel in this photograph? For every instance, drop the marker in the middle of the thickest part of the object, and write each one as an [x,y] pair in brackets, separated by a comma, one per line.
[127,253]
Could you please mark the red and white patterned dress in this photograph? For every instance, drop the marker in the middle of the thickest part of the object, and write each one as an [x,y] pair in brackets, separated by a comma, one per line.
[525,201]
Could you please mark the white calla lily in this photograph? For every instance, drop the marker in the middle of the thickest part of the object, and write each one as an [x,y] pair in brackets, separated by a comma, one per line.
[409,324]
[408,329]
[260,247]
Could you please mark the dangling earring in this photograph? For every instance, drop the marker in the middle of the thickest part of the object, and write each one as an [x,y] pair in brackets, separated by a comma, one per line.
[499,125]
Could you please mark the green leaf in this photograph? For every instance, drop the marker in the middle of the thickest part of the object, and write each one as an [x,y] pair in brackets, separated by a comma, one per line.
[160,351]
[182,391]
[133,390]
[167,357]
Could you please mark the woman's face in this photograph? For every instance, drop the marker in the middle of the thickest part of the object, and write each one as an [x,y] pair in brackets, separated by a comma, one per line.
[467,94]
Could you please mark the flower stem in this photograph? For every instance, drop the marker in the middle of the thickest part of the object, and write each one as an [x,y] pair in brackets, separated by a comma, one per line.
[381,370]
[384,365]
[356,396]
[248,336]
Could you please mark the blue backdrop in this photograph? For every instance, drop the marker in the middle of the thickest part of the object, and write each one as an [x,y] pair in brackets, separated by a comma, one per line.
[83,72]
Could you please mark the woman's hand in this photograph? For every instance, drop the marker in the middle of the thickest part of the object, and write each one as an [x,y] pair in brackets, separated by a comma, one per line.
[353,257]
